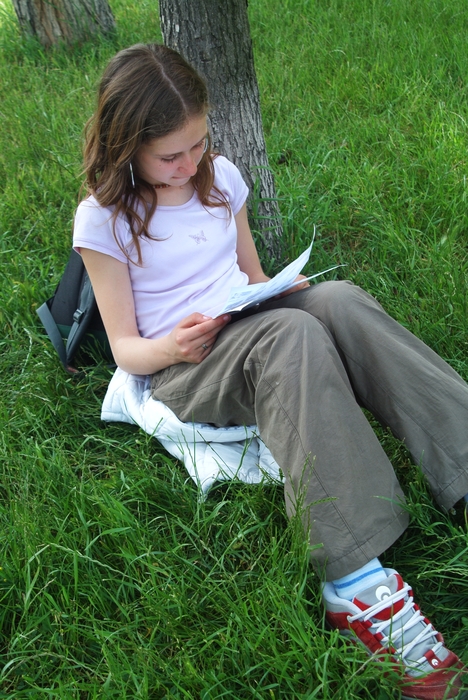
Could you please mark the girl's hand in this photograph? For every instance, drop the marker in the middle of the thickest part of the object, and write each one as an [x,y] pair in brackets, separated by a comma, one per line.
[193,337]
[297,286]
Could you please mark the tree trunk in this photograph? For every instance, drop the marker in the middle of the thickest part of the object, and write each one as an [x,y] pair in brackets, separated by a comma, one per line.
[52,21]
[214,36]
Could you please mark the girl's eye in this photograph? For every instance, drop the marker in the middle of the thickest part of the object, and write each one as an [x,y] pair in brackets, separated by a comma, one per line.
[202,144]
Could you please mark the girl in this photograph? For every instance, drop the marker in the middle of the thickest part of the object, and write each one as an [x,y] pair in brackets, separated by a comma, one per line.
[164,236]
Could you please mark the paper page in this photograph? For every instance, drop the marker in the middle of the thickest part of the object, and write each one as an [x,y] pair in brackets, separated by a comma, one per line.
[242,297]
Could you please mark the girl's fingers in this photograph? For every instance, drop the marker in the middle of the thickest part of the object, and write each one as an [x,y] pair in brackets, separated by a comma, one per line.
[195,335]
[197,325]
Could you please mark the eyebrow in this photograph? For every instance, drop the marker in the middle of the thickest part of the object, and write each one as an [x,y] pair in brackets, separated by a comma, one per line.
[173,155]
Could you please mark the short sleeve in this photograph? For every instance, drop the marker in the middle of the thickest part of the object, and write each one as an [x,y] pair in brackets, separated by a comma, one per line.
[93,228]
[230,182]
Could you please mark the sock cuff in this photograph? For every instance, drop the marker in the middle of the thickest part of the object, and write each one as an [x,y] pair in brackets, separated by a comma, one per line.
[355,579]
[366,576]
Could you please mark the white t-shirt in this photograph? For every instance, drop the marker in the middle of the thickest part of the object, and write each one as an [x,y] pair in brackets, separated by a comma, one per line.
[193,264]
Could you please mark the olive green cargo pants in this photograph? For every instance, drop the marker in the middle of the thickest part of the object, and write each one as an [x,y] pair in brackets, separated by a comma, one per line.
[301,369]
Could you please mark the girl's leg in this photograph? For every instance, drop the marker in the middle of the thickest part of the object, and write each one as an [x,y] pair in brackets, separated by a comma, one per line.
[406,385]
[281,370]
[291,373]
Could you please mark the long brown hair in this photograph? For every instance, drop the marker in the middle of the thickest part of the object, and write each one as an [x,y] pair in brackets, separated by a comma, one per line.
[146,92]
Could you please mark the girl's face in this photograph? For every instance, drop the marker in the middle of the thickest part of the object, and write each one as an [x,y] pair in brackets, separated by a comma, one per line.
[173,159]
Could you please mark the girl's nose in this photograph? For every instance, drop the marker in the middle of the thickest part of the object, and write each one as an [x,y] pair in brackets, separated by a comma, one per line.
[189,164]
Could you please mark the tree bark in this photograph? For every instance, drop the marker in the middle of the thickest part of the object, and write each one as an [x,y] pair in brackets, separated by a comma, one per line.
[52,21]
[214,36]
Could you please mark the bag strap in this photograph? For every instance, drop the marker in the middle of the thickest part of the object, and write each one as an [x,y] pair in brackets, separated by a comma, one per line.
[81,318]
[53,332]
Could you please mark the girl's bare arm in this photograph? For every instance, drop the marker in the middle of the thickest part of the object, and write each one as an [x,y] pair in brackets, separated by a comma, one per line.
[247,255]
[134,354]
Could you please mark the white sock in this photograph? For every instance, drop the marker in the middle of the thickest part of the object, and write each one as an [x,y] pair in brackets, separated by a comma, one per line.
[368,575]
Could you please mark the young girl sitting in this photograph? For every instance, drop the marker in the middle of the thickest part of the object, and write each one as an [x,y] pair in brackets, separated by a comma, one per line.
[164,236]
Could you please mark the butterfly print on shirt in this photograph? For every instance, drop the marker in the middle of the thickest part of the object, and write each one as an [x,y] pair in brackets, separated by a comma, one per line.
[199,237]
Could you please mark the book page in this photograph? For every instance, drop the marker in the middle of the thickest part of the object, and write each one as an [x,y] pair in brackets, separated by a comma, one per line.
[251,294]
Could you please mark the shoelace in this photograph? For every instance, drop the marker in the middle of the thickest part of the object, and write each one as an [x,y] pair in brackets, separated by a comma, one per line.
[396,631]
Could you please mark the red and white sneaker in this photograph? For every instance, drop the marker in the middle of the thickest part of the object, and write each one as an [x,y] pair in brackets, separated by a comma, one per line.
[385,619]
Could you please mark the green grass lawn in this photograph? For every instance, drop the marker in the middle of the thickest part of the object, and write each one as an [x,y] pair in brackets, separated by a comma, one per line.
[116,582]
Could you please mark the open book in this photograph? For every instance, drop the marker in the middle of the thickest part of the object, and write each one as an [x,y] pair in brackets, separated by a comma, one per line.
[241,298]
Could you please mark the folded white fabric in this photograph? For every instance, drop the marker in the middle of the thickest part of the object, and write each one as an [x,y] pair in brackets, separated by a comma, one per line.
[210,454]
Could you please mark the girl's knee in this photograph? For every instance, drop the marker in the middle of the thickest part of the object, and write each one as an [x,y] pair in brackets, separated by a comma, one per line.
[341,299]
[339,291]
[289,321]
[293,327]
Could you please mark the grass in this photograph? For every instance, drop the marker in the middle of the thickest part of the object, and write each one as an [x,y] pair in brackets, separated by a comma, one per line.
[116,581]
